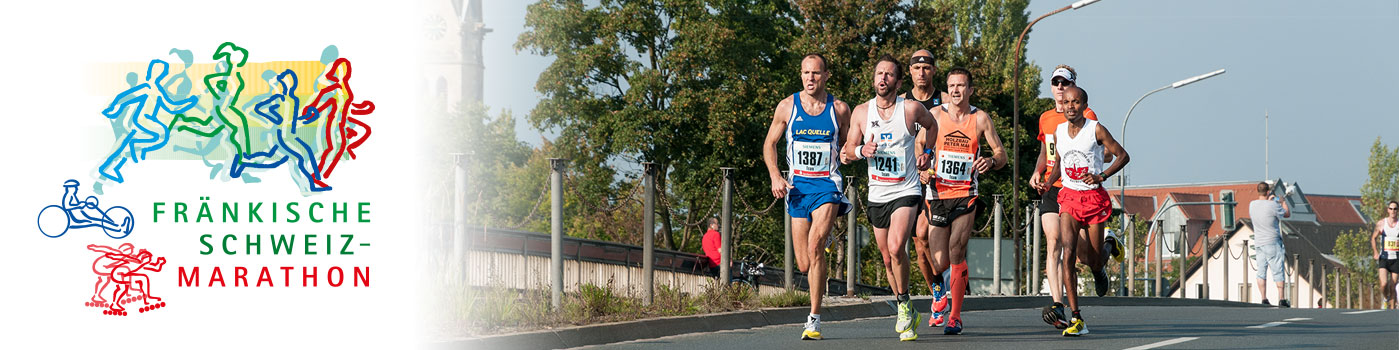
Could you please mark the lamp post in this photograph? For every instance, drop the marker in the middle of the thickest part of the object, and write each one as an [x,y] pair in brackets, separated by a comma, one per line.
[1015,112]
[1122,136]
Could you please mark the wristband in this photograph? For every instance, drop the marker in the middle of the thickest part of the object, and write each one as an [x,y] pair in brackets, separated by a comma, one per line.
[928,151]
[859,154]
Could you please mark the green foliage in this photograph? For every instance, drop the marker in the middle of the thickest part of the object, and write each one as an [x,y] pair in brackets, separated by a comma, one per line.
[786,299]
[690,86]
[1383,183]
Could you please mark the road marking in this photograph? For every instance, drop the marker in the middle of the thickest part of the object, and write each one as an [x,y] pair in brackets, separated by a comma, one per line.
[1297,319]
[1269,324]
[1164,343]
[1360,312]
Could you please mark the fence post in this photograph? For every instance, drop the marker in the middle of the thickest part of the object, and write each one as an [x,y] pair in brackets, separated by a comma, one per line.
[787,249]
[1035,250]
[1225,260]
[1023,266]
[1205,262]
[648,230]
[1160,250]
[1130,282]
[1311,280]
[1296,278]
[997,214]
[852,257]
[457,265]
[726,227]
[1182,250]
[1248,289]
[556,231]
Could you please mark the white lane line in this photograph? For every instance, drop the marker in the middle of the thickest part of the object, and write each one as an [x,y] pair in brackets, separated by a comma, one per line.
[1297,319]
[1360,312]
[1269,324]
[1164,343]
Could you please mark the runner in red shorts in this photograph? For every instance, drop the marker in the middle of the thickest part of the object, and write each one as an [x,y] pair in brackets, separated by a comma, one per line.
[1083,202]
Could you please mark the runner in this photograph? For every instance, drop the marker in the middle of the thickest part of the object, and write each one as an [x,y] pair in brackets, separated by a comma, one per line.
[886,124]
[1061,79]
[921,70]
[1083,202]
[952,194]
[812,121]
[1387,253]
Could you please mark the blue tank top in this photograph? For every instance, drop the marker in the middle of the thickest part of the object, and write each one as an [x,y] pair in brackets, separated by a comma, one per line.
[812,148]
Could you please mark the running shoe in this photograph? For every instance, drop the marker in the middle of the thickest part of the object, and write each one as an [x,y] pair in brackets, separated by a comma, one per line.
[1265,302]
[1283,303]
[909,335]
[954,327]
[813,329]
[1113,246]
[908,318]
[1054,316]
[939,306]
[1078,328]
[1100,281]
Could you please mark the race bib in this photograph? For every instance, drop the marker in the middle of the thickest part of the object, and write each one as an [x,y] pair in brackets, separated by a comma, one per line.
[954,166]
[887,165]
[1391,245]
[813,159]
[1051,155]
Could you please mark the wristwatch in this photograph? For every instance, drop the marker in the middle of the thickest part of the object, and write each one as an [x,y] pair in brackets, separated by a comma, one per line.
[1102,175]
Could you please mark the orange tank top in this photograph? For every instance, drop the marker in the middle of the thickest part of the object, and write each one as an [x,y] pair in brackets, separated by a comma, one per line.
[957,145]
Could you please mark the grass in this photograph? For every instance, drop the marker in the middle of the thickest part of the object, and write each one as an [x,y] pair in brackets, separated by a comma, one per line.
[478,311]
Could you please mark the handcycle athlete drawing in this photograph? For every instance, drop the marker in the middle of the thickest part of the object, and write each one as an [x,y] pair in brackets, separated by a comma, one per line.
[70,213]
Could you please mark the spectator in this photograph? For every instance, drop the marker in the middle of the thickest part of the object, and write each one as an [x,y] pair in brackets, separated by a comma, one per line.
[1267,212]
[711,244]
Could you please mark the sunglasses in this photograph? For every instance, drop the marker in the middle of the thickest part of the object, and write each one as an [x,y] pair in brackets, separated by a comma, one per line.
[1060,82]
[1393,208]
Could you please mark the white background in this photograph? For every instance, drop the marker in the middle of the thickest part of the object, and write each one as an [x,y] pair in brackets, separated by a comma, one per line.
[53,131]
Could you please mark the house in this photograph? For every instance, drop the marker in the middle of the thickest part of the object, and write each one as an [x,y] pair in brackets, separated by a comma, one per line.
[1226,236]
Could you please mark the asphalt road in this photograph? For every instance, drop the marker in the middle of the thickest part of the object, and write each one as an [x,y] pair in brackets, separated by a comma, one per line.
[1110,327]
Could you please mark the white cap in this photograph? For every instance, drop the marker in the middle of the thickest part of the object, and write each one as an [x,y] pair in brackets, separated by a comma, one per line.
[1063,73]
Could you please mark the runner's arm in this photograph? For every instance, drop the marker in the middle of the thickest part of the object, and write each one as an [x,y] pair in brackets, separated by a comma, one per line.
[775,133]
[988,131]
[850,151]
[926,120]
[1379,229]
[1110,145]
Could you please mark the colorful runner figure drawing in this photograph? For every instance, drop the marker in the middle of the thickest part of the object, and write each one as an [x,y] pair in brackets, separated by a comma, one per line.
[214,123]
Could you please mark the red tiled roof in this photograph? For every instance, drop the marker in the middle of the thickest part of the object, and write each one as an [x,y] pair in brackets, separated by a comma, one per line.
[1142,207]
[1194,212]
[1335,209]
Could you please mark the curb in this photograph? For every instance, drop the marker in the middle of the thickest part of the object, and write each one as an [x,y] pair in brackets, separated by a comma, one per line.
[676,325]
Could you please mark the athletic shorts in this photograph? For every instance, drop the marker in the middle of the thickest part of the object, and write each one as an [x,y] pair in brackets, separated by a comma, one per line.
[1270,256]
[1089,207]
[1389,264]
[943,211]
[879,213]
[801,205]
[1049,201]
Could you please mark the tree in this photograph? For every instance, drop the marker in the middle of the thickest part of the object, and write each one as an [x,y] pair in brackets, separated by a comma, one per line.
[690,85]
[1383,184]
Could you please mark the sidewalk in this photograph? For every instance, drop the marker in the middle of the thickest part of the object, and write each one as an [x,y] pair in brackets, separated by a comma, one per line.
[833,309]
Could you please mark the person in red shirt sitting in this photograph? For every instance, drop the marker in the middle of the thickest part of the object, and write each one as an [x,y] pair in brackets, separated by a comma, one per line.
[711,242]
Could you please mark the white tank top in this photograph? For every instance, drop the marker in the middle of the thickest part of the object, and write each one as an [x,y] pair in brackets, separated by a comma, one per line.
[1391,240]
[1080,156]
[892,173]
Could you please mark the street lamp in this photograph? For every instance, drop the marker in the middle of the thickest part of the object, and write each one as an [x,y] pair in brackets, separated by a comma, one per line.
[1015,120]
[1121,180]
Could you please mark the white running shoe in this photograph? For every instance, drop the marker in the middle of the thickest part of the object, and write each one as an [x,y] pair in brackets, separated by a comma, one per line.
[812,330]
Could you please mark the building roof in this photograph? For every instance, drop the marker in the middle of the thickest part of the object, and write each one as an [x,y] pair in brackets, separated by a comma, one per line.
[1335,209]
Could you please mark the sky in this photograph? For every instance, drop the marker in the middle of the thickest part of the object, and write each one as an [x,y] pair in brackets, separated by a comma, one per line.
[1321,72]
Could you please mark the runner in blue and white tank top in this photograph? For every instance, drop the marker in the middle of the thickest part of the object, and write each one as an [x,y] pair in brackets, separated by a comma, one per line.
[812,122]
